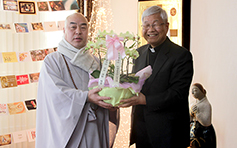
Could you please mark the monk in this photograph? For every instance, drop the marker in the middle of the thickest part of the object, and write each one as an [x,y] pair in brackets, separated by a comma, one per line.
[68,115]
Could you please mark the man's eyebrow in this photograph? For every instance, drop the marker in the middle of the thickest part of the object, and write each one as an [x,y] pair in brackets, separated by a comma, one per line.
[84,24]
[152,22]
[73,23]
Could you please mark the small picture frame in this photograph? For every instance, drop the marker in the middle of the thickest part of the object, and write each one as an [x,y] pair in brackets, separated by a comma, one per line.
[38,55]
[22,79]
[56,5]
[5,139]
[9,57]
[71,4]
[16,108]
[3,109]
[10,5]
[49,50]
[50,26]
[43,6]
[19,136]
[24,56]
[31,104]
[8,81]
[5,26]
[60,25]
[26,7]
[21,27]
[34,77]
[31,135]
[38,26]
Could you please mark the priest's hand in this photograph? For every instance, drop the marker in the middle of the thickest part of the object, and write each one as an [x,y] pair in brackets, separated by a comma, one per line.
[93,97]
[135,100]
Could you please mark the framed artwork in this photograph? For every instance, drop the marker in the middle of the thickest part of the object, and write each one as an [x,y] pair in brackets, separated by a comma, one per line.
[10,5]
[9,57]
[19,136]
[70,5]
[60,25]
[50,26]
[174,12]
[37,55]
[24,56]
[34,77]
[5,139]
[26,7]
[3,109]
[5,27]
[56,5]
[31,104]
[22,79]
[21,27]
[4,82]
[8,81]
[50,50]
[37,26]
[31,135]
[43,6]
[16,108]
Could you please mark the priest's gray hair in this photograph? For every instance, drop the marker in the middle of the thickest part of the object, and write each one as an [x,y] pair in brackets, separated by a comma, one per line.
[154,10]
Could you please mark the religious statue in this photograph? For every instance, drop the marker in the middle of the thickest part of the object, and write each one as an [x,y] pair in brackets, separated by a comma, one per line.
[202,133]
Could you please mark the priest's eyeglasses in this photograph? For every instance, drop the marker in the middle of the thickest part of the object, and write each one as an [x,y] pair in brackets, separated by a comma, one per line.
[154,26]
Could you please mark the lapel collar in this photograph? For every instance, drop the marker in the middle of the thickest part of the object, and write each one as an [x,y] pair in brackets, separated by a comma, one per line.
[142,58]
[160,60]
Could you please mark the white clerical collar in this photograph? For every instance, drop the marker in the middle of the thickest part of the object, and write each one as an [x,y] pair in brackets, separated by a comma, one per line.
[152,50]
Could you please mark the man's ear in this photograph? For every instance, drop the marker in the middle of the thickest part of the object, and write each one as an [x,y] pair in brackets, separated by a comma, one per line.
[167,25]
[64,30]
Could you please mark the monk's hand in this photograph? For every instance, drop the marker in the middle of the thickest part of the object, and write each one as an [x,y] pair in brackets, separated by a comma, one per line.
[135,100]
[93,97]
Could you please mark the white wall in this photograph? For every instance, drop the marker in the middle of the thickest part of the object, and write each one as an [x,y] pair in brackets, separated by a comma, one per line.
[125,15]
[213,44]
[24,42]
[214,49]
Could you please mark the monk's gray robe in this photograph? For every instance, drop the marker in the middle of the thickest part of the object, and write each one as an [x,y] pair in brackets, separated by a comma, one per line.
[64,117]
